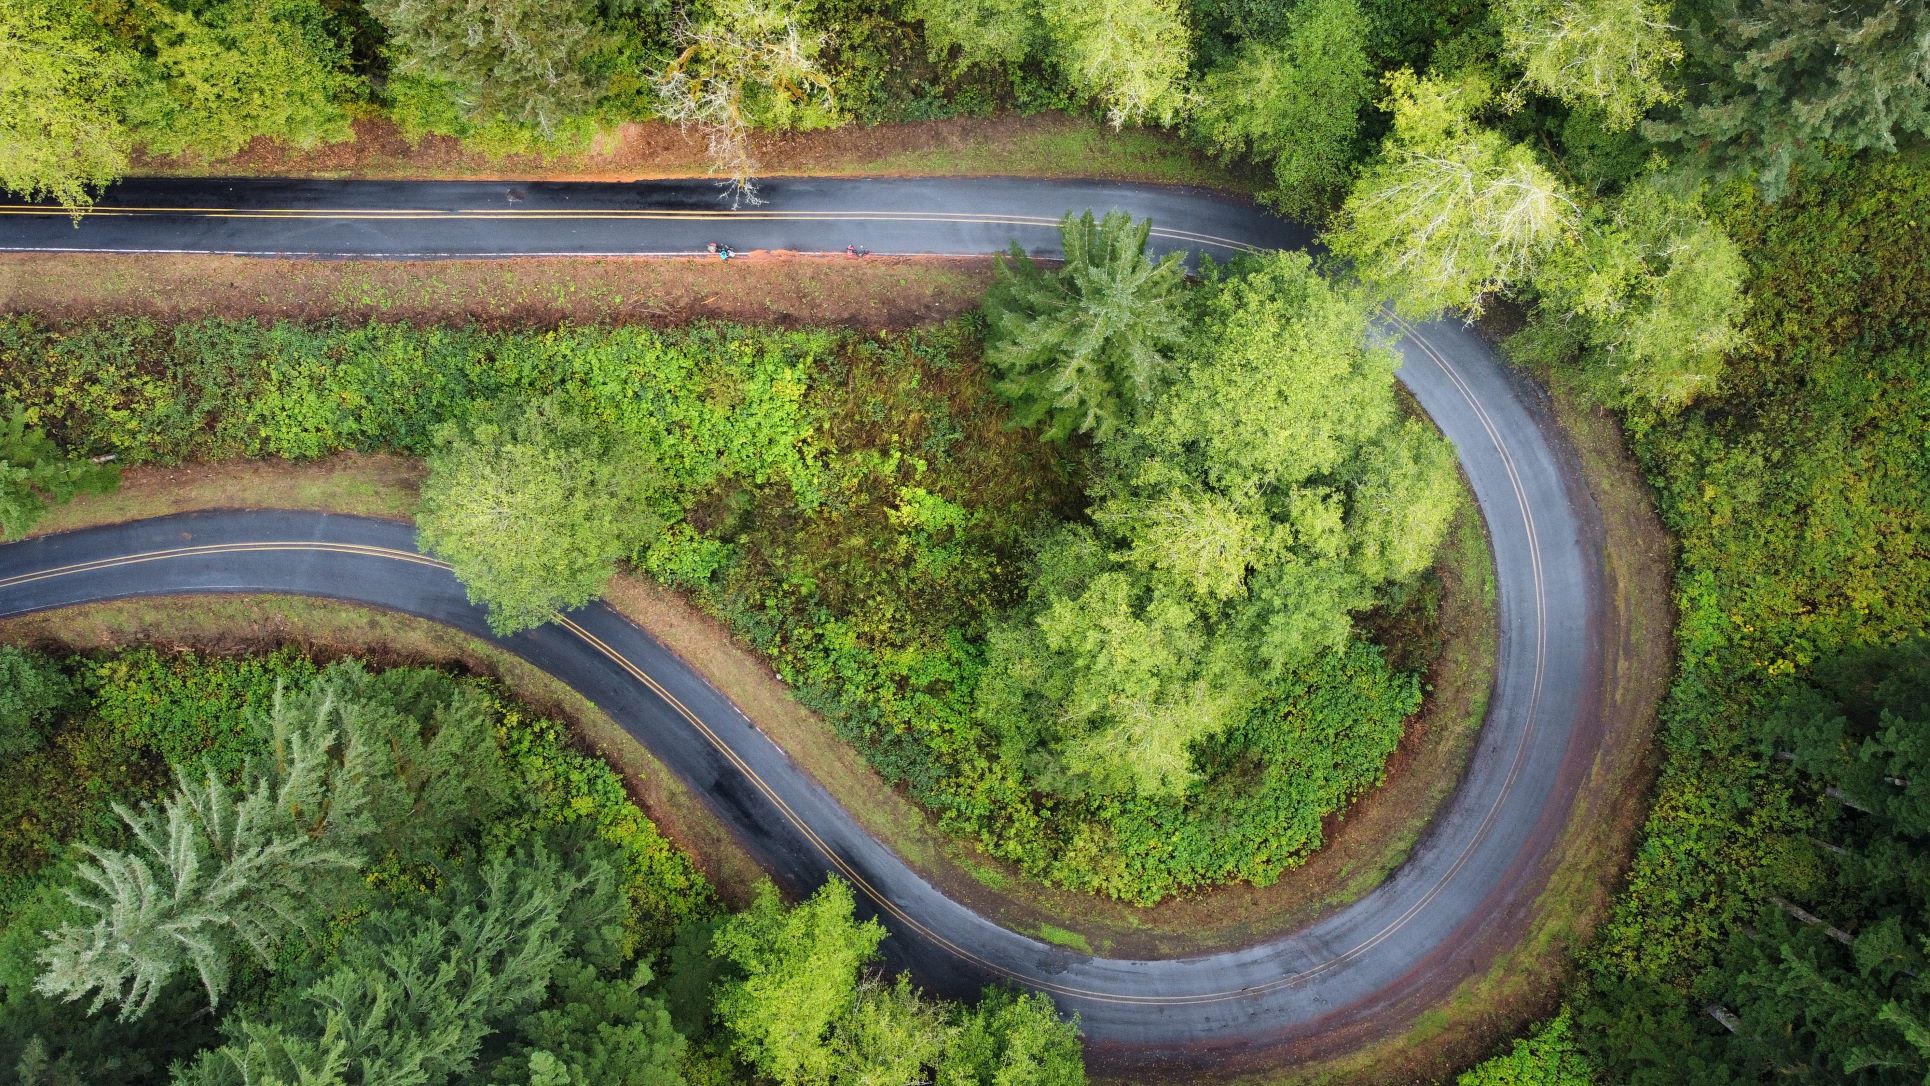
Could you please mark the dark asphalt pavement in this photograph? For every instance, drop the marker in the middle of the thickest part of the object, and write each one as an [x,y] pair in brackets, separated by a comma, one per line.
[1465,894]
[452,219]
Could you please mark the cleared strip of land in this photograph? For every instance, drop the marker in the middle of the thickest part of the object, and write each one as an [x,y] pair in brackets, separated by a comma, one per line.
[870,292]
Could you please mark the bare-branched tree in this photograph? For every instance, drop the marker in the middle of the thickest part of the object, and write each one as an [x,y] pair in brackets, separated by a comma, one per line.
[749,65]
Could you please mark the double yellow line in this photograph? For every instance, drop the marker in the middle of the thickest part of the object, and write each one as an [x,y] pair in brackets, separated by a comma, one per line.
[845,869]
[610,214]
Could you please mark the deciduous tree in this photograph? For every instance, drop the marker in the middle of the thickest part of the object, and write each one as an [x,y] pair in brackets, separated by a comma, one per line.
[1269,493]
[799,973]
[1009,1039]
[62,85]
[980,32]
[750,64]
[1614,55]
[891,1035]
[1295,104]
[522,62]
[1130,56]
[245,68]
[1453,210]
[533,507]
[1652,296]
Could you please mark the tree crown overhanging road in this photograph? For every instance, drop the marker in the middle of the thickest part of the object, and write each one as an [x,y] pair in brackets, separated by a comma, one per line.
[1464,894]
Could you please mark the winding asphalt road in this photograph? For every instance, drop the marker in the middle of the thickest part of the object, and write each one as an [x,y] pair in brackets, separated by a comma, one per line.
[1369,967]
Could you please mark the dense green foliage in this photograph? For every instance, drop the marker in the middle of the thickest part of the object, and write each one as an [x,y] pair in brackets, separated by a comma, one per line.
[1282,85]
[1550,1056]
[34,473]
[32,691]
[799,1006]
[1778,85]
[862,512]
[1453,210]
[461,65]
[1797,498]
[1251,501]
[534,508]
[1296,102]
[1609,55]
[60,85]
[234,70]
[374,878]
[1083,346]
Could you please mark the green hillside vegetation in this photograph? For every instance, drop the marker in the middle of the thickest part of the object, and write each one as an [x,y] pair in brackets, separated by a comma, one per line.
[1706,216]
[864,511]
[267,869]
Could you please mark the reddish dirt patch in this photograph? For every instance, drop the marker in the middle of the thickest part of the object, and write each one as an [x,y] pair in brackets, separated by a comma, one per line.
[763,288]
[1043,145]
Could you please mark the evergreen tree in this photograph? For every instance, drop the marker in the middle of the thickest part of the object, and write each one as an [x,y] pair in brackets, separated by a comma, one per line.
[533,508]
[213,873]
[34,473]
[1773,85]
[420,752]
[1085,347]
[595,1030]
[62,84]
[1832,981]
[411,995]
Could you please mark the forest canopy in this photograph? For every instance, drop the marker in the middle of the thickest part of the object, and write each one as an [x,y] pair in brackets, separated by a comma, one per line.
[327,874]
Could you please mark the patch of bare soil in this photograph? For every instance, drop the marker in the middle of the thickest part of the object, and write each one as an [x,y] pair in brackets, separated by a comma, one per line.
[765,288]
[967,146]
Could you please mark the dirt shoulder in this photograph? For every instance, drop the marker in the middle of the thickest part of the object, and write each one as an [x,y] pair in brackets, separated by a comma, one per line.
[1042,145]
[766,288]
[1525,980]
[1363,845]
[328,629]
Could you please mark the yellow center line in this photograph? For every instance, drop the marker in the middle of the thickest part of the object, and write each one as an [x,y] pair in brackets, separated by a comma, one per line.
[571,214]
[790,815]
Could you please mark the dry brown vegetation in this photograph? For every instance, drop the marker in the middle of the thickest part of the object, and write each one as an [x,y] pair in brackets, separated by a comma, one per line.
[1043,145]
[765,288]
